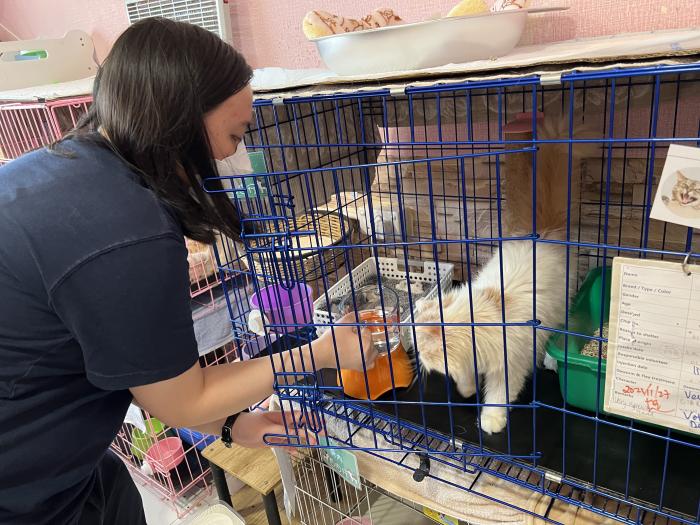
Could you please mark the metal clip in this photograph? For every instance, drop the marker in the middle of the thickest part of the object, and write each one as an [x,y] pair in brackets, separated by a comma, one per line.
[552,476]
[552,79]
[684,266]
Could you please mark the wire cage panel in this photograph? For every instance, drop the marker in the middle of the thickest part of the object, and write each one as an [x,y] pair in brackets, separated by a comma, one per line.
[422,278]
[22,129]
[322,496]
[498,492]
[456,174]
[299,191]
[28,126]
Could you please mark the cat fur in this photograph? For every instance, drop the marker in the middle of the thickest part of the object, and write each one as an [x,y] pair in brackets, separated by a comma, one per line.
[481,348]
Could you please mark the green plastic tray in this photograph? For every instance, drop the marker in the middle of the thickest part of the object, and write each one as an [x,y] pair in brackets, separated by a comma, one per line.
[578,374]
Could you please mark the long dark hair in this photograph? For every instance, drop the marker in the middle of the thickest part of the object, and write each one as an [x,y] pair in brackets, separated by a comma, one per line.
[150,97]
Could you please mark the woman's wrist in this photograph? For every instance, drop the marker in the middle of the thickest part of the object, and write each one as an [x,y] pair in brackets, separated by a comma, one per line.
[314,356]
[323,352]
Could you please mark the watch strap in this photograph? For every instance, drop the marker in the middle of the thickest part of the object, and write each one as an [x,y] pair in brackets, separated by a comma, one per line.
[227,430]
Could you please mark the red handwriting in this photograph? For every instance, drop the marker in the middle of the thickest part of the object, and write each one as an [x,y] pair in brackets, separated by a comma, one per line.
[653,396]
[651,391]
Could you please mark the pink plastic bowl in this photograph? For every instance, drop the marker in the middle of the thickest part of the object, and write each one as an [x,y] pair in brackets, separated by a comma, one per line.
[165,454]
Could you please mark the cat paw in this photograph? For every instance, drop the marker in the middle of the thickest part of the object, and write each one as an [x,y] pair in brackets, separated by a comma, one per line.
[465,392]
[493,421]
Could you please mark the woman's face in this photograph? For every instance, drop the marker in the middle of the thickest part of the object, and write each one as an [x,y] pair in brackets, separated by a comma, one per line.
[227,123]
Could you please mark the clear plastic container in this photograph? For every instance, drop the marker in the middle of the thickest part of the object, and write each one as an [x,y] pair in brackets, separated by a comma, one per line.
[378,307]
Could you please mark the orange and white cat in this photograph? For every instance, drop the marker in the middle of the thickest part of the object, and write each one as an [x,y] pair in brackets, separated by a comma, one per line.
[483,346]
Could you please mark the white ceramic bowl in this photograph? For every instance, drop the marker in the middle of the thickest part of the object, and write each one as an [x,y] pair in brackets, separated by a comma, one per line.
[424,44]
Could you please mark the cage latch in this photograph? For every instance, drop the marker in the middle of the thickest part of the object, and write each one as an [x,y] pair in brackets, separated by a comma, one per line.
[282,200]
[297,386]
[265,234]
[423,468]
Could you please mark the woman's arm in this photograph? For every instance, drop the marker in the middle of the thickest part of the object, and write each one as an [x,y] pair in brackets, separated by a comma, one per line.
[205,395]
[136,333]
[213,428]
[202,395]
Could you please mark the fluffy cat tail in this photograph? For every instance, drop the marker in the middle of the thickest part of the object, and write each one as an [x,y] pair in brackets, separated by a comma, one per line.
[552,180]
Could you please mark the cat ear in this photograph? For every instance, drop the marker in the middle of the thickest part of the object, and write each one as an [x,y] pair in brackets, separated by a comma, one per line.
[680,176]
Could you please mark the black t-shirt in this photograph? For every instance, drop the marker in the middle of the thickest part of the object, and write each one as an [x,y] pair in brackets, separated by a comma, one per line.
[94,299]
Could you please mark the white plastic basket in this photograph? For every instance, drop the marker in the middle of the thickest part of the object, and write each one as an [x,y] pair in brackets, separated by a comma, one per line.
[389,268]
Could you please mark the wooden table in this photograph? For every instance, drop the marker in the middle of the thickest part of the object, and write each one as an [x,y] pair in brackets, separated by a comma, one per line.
[255,467]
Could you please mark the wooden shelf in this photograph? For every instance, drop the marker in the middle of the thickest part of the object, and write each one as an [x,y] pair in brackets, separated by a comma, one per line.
[256,467]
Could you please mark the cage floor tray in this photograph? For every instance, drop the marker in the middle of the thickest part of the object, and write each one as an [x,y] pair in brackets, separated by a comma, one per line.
[567,444]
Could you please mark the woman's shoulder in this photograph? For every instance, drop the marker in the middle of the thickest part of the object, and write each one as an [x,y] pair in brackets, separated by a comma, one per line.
[82,176]
[77,200]
[79,160]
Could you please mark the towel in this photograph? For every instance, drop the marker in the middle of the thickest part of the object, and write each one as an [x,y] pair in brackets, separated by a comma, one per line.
[212,325]
[284,460]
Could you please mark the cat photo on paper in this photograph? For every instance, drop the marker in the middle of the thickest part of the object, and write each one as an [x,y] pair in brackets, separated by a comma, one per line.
[683,199]
[677,197]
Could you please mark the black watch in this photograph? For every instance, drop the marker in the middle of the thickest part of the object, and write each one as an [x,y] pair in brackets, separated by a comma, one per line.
[227,429]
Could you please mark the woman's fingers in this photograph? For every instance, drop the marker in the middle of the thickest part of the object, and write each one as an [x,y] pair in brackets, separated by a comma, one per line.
[285,435]
[369,350]
[300,423]
[279,417]
[349,318]
[293,418]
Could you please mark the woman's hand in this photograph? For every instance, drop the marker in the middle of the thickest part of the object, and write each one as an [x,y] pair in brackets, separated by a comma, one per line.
[347,345]
[251,427]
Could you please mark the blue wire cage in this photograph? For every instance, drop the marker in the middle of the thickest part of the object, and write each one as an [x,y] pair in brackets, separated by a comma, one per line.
[412,181]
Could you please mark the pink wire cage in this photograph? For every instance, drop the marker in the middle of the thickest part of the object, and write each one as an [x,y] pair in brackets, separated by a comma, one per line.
[182,479]
[204,272]
[25,126]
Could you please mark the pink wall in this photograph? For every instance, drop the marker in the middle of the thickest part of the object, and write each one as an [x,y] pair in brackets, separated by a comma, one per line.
[269,31]
[102,19]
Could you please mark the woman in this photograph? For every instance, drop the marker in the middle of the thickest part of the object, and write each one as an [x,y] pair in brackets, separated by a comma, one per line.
[94,286]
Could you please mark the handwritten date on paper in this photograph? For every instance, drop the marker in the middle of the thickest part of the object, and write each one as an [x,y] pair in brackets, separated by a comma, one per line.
[653,396]
[653,371]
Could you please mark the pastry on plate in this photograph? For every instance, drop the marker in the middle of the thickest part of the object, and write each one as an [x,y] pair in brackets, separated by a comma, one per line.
[318,23]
